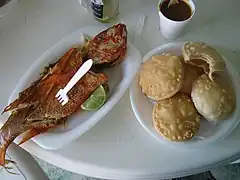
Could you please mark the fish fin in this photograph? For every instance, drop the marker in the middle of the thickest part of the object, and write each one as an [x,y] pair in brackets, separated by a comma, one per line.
[65,124]
[31,133]
[23,100]
[4,162]
[36,131]
[8,168]
[11,106]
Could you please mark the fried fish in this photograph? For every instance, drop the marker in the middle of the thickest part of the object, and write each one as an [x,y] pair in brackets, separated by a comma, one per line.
[109,47]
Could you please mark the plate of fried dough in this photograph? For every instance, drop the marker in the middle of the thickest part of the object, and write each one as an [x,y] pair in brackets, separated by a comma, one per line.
[186,94]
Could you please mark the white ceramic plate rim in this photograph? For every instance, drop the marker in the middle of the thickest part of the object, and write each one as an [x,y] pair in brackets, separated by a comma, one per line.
[192,144]
[66,137]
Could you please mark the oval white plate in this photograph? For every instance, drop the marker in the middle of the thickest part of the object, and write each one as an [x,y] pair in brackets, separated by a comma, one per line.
[120,78]
[208,132]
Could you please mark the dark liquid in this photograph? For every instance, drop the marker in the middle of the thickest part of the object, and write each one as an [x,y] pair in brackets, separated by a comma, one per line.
[176,12]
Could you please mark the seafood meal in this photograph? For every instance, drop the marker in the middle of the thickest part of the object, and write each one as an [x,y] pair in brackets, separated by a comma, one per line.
[187,89]
[36,109]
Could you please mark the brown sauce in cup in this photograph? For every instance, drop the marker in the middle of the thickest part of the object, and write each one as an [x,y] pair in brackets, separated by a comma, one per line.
[176,12]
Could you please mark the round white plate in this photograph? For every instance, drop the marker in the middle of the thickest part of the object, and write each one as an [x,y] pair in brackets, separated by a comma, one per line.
[120,78]
[208,132]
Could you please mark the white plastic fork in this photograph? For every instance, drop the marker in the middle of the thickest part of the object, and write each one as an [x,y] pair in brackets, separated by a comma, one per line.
[62,93]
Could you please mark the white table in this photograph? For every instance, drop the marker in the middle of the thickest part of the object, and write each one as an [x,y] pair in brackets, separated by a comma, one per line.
[117,147]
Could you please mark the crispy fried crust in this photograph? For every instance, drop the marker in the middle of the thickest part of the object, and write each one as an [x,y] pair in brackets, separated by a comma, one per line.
[162,76]
[213,99]
[176,118]
[33,94]
[109,47]
[52,109]
[202,55]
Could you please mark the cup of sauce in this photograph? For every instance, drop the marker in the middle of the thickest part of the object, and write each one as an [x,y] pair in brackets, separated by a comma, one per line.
[174,18]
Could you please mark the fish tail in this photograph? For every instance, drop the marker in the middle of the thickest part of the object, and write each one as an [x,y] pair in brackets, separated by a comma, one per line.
[12,128]
[2,156]
[4,162]
[4,143]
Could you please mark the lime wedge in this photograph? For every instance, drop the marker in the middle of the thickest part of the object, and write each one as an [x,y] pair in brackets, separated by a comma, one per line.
[96,100]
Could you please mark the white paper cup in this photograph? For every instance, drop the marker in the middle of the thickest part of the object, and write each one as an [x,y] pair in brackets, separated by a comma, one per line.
[172,29]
